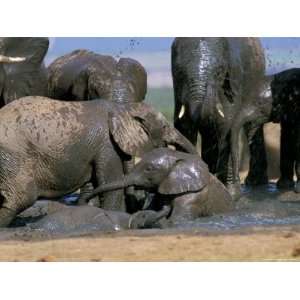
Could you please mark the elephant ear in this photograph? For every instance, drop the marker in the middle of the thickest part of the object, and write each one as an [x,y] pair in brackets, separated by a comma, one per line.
[134,71]
[128,133]
[80,86]
[186,176]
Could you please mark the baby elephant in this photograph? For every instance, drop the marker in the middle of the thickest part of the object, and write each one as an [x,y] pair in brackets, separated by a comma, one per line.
[181,178]
[81,219]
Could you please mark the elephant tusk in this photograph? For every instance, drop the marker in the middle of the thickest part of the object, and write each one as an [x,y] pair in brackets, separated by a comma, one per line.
[171,147]
[9,59]
[137,160]
[182,111]
[220,111]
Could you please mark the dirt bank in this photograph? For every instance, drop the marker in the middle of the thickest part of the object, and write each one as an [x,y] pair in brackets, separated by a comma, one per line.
[259,245]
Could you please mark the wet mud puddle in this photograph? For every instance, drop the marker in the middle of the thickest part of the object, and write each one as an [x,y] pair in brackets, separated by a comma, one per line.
[260,206]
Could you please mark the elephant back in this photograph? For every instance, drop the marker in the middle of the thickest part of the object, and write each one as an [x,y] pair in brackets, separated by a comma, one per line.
[72,75]
[85,75]
[134,73]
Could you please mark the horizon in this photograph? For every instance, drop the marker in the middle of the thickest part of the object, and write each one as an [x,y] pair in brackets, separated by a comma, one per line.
[154,53]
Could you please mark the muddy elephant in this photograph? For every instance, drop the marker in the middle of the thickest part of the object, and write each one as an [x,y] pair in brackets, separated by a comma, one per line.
[179,179]
[85,219]
[219,87]
[285,87]
[85,75]
[50,148]
[22,70]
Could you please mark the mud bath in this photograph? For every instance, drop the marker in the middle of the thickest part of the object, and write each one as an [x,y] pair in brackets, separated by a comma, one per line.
[265,226]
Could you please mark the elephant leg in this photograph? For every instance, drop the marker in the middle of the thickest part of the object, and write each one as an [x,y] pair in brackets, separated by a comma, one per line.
[134,198]
[257,174]
[223,160]
[109,168]
[84,192]
[210,149]
[287,156]
[6,216]
[16,202]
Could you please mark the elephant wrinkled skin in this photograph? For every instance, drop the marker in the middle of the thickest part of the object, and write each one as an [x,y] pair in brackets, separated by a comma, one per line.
[219,86]
[51,148]
[179,179]
[80,219]
[85,75]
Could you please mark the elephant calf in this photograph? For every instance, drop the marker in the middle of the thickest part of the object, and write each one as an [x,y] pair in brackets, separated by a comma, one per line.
[179,177]
[78,219]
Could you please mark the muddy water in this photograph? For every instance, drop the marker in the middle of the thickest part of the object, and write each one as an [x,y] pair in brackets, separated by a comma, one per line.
[260,206]
[264,207]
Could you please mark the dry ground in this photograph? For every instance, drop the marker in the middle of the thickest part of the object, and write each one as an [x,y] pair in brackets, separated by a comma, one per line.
[257,245]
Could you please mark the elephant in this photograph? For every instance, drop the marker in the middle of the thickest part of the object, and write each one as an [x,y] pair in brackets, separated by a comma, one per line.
[85,75]
[50,148]
[22,69]
[81,219]
[219,88]
[181,180]
[285,87]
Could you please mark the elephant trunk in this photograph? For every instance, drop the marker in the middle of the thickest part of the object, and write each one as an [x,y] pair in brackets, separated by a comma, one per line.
[249,114]
[199,67]
[116,185]
[9,59]
[181,143]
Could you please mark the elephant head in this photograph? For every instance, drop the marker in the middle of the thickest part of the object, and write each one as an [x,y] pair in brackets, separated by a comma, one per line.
[285,93]
[22,69]
[147,218]
[127,82]
[138,128]
[85,75]
[165,171]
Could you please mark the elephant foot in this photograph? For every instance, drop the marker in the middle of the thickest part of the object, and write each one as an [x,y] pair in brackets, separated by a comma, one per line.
[252,180]
[297,187]
[284,184]
[234,190]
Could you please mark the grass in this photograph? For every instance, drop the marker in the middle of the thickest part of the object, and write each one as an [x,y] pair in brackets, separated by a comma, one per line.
[163,100]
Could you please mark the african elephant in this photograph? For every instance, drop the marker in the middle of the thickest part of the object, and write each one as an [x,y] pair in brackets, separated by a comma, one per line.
[85,75]
[50,148]
[79,219]
[285,88]
[178,179]
[22,70]
[219,87]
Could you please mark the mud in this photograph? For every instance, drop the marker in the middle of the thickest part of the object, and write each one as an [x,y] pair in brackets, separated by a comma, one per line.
[264,226]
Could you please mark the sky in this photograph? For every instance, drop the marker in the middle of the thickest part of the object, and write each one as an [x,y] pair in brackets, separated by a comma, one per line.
[154,53]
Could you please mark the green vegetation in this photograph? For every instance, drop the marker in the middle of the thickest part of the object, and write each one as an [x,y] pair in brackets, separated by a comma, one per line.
[163,100]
